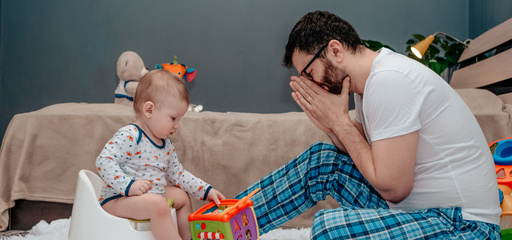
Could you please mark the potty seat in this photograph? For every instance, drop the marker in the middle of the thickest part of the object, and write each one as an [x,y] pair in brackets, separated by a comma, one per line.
[90,221]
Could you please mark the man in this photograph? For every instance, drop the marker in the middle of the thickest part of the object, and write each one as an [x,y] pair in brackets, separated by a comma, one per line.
[418,165]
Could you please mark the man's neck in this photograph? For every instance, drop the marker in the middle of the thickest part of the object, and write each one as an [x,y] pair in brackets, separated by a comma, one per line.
[360,68]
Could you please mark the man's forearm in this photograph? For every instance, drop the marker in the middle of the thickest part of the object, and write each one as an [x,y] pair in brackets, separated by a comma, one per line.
[336,141]
[357,147]
[386,166]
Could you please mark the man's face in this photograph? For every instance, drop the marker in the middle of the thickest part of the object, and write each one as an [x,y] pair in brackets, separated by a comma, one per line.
[331,76]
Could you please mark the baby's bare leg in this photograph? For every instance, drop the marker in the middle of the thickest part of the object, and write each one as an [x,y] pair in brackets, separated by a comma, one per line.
[183,208]
[147,206]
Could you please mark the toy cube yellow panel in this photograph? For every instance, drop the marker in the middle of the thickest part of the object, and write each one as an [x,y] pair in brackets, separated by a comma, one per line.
[233,219]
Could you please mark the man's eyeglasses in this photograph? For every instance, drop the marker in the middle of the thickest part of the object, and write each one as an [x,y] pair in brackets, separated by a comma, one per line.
[306,74]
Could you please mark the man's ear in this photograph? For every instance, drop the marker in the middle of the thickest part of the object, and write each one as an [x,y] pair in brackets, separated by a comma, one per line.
[148,108]
[336,51]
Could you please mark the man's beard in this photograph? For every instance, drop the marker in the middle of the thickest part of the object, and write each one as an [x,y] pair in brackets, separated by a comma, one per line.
[333,78]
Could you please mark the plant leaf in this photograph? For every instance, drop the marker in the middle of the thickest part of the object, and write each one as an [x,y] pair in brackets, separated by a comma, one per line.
[419,36]
[435,66]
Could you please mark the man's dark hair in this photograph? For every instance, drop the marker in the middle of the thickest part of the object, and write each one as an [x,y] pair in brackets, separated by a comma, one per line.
[316,29]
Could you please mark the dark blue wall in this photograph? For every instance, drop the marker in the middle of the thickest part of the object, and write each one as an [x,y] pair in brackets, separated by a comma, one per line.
[57,51]
[486,14]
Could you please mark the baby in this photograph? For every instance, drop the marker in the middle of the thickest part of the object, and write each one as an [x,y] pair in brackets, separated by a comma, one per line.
[140,160]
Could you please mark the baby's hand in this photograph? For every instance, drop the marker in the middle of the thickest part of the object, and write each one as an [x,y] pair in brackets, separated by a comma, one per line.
[139,187]
[215,196]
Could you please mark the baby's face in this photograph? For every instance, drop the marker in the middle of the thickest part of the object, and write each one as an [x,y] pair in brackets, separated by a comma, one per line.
[166,117]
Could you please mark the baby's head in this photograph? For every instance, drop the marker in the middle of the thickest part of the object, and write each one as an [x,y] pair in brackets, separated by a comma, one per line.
[158,86]
[161,94]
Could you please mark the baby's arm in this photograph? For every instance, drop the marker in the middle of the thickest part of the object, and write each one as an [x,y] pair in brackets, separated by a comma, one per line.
[196,187]
[215,196]
[115,152]
[139,187]
[183,179]
[178,176]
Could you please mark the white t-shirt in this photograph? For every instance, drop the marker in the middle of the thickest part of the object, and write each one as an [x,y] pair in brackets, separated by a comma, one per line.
[454,166]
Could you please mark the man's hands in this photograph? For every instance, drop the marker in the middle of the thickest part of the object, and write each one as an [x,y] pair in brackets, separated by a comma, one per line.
[323,108]
[139,187]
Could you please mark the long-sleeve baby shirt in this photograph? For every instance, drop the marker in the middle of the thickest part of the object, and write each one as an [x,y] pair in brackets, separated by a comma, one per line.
[131,155]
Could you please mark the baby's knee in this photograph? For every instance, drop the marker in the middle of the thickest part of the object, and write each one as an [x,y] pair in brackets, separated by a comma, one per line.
[157,203]
[180,197]
[183,199]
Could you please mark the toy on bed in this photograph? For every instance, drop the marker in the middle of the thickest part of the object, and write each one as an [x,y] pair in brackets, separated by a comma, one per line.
[181,69]
[502,154]
[233,219]
[130,69]
[184,72]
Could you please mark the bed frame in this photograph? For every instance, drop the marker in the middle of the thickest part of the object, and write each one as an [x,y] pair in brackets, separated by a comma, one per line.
[487,63]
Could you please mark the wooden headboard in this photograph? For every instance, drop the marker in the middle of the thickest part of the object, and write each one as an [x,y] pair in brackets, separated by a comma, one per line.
[487,63]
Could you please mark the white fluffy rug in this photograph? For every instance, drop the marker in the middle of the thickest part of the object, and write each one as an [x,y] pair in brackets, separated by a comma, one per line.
[58,230]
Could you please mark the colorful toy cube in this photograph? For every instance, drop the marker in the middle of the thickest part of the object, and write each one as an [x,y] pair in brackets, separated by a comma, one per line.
[502,154]
[501,151]
[233,219]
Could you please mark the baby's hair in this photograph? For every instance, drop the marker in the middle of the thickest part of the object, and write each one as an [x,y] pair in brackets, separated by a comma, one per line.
[156,86]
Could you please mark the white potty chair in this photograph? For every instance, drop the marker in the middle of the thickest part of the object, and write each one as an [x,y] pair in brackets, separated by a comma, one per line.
[89,220]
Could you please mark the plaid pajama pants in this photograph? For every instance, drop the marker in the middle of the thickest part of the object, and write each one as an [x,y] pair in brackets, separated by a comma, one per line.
[322,170]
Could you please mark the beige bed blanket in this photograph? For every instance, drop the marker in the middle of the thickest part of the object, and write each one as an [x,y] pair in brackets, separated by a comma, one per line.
[43,151]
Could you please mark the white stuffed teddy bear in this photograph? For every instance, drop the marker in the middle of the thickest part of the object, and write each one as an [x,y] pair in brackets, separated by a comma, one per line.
[130,69]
